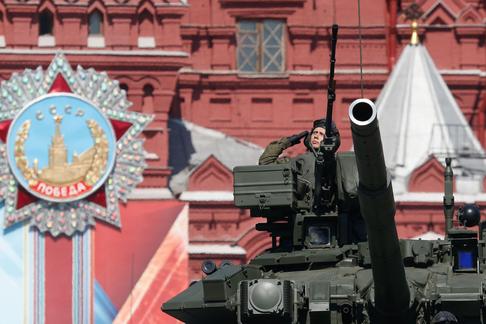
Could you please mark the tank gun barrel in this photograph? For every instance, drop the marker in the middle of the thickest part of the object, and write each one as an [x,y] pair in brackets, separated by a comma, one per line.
[392,295]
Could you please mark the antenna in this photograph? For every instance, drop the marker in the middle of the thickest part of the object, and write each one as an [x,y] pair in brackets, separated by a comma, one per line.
[360,49]
[333,12]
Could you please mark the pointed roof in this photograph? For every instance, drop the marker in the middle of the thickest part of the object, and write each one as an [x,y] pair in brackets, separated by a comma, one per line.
[419,118]
[190,145]
[430,235]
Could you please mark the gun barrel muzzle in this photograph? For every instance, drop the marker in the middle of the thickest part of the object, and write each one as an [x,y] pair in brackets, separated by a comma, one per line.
[367,144]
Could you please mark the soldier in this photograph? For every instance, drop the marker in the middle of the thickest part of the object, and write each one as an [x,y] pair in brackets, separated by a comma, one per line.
[312,142]
[314,167]
[316,176]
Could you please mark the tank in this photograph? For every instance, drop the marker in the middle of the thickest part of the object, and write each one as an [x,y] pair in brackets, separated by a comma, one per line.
[316,273]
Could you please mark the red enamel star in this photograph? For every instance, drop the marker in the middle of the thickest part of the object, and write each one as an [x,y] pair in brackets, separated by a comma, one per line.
[59,85]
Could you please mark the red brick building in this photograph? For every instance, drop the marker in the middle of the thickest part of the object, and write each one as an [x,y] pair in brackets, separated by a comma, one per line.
[250,72]
[227,89]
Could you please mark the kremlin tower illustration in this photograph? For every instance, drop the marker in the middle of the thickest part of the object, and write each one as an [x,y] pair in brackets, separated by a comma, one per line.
[86,166]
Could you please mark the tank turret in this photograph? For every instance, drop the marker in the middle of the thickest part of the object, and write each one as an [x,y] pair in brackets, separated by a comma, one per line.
[314,274]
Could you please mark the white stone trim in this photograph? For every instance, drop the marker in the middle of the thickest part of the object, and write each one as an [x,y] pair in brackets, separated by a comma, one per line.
[461,72]
[46,41]
[146,42]
[432,236]
[151,156]
[207,196]
[150,194]
[438,197]
[182,3]
[221,249]
[141,52]
[283,74]
[96,41]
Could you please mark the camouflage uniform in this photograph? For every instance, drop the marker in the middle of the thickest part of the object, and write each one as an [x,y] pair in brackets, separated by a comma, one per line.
[273,151]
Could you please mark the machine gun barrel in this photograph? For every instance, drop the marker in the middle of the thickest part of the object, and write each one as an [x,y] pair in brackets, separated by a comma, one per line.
[392,295]
[331,87]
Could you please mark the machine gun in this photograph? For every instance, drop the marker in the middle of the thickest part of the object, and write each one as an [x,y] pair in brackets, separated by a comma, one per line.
[331,86]
[325,162]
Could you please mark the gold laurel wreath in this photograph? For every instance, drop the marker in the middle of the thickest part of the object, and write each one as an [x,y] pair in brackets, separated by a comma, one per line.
[19,154]
[100,157]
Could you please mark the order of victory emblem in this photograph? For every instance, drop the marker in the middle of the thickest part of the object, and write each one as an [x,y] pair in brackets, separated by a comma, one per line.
[71,147]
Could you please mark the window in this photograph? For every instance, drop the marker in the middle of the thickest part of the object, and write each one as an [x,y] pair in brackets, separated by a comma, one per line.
[95,21]
[124,87]
[2,32]
[148,99]
[46,23]
[261,46]
[95,30]
[146,24]
[146,30]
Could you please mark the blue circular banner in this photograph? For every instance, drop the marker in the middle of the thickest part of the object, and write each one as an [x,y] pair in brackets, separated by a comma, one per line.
[61,147]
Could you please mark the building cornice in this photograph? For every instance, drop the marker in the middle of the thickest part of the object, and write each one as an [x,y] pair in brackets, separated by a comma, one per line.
[470,31]
[262,3]
[280,75]
[147,61]
[262,12]
[211,196]
[461,30]
[434,198]
[216,249]
[87,52]
[150,194]
[298,79]
[175,11]
[67,9]
[221,31]
[21,9]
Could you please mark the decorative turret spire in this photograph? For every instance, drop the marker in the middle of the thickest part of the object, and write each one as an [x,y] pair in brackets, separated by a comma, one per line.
[58,139]
[413,13]
[57,151]
[414,40]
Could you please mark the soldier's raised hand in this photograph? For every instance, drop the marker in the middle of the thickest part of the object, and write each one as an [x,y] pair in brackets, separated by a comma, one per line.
[295,139]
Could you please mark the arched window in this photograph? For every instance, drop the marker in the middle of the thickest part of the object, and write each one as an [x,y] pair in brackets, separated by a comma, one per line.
[46,23]
[124,86]
[2,31]
[95,23]
[148,99]
[1,24]
[146,24]
[146,37]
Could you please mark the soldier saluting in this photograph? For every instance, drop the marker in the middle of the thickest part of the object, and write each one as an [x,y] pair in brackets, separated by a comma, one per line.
[323,177]
[316,168]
